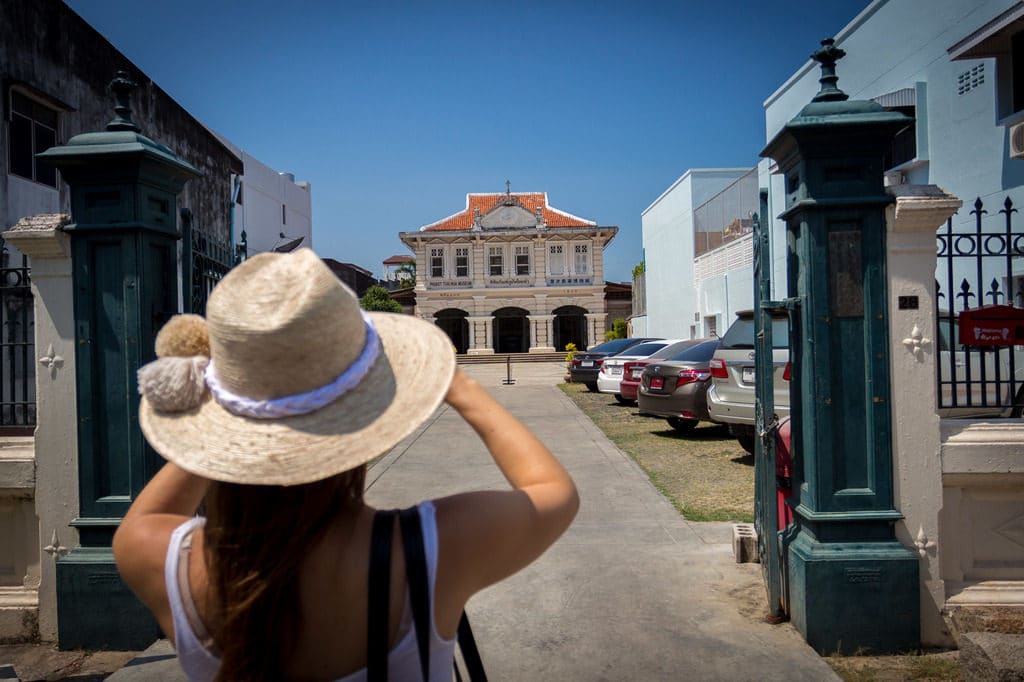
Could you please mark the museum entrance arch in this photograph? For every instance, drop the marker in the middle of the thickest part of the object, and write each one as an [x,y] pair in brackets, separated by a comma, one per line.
[453,322]
[511,331]
[570,326]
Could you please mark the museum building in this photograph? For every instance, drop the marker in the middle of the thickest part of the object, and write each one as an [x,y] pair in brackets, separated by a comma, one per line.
[512,274]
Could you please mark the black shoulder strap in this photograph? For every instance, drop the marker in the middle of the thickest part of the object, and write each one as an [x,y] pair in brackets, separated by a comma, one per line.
[470,654]
[379,596]
[416,575]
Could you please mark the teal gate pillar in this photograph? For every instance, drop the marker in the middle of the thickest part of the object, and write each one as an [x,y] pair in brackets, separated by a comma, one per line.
[851,585]
[124,236]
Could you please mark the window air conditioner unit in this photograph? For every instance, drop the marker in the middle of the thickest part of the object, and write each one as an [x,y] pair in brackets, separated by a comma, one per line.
[1017,141]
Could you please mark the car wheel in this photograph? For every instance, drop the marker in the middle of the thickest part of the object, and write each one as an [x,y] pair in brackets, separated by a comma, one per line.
[682,425]
[624,401]
[592,386]
[746,438]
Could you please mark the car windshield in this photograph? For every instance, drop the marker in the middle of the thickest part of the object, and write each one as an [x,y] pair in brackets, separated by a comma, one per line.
[614,346]
[702,352]
[673,348]
[642,350]
[741,333]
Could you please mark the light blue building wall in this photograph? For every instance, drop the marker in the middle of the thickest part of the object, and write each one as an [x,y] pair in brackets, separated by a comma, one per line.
[668,241]
[900,50]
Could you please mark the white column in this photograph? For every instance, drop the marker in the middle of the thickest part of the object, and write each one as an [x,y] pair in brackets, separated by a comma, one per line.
[595,328]
[916,443]
[55,445]
[479,338]
[540,337]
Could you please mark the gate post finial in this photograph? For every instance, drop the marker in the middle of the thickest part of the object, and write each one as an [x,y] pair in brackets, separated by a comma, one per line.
[827,55]
[122,86]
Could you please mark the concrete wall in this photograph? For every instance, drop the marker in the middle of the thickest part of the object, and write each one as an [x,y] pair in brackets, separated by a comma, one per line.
[58,57]
[667,226]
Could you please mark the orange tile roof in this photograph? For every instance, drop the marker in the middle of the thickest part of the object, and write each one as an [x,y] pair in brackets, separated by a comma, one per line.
[398,260]
[463,220]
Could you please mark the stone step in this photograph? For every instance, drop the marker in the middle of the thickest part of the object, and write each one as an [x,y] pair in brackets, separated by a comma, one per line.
[502,358]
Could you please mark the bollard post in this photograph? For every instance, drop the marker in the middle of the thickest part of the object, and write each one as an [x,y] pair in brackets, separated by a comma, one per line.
[508,381]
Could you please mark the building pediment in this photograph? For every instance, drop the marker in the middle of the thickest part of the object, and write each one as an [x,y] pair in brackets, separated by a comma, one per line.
[509,214]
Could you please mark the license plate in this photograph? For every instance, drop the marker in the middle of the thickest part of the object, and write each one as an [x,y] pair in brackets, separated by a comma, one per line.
[657,382]
[748,375]
[586,363]
[636,373]
[616,370]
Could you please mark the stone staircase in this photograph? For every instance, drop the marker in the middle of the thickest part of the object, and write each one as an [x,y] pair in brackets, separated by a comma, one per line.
[515,358]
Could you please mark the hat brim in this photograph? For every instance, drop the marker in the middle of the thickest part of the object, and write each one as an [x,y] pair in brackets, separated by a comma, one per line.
[404,386]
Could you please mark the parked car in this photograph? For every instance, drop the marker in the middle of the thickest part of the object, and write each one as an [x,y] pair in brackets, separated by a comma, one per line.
[587,364]
[611,369]
[676,387]
[632,369]
[731,394]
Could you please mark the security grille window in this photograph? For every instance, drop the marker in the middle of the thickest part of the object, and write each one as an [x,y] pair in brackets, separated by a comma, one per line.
[33,129]
[1017,69]
[522,260]
[462,262]
[581,262]
[437,263]
[556,259]
[496,260]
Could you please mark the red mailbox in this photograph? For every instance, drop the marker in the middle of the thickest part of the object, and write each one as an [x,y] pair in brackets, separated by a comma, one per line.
[992,325]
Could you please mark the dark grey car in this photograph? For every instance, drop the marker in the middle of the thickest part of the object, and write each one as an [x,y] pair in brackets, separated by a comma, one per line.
[587,364]
[676,387]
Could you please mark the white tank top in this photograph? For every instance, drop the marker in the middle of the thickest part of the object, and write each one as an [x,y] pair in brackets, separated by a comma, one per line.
[196,650]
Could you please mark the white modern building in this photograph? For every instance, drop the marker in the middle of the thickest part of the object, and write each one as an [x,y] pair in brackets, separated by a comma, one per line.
[270,210]
[950,65]
[696,239]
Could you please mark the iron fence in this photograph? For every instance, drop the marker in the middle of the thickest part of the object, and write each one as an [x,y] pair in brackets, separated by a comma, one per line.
[206,259]
[17,349]
[976,268]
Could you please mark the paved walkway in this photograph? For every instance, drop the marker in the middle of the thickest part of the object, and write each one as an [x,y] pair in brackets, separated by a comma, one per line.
[631,592]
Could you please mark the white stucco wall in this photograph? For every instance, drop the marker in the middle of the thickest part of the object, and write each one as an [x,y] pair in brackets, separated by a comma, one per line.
[667,227]
[264,193]
[967,148]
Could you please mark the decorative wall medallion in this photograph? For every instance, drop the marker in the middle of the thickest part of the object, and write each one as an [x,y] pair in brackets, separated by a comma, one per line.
[922,542]
[916,343]
[55,549]
[51,361]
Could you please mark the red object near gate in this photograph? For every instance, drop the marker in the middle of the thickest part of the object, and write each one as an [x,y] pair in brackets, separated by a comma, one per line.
[992,325]
[783,473]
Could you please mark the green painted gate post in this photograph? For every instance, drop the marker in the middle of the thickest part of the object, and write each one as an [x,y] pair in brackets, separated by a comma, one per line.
[852,586]
[124,236]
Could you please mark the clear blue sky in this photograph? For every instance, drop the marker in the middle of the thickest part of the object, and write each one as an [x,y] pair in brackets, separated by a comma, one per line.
[395,110]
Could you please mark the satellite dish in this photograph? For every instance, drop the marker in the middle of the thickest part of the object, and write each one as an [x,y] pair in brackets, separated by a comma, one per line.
[288,246]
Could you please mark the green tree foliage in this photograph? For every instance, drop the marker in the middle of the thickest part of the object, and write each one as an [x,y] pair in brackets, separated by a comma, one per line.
[639,269]
[377,298]
[619,327]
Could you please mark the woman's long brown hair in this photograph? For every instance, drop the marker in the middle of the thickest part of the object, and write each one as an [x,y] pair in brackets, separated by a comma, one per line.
[256,539]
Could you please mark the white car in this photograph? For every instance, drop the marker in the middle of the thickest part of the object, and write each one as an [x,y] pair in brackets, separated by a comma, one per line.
[610,377]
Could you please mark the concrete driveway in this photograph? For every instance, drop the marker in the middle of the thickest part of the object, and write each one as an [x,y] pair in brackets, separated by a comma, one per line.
[632,591]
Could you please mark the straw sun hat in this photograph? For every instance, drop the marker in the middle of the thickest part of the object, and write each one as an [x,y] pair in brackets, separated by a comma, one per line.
[287,381]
